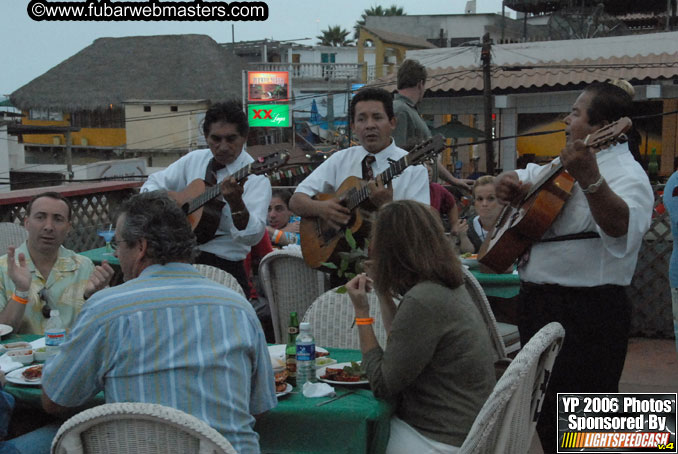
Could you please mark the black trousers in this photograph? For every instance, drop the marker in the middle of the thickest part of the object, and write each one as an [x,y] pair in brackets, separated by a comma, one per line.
[236,269]
[597,322]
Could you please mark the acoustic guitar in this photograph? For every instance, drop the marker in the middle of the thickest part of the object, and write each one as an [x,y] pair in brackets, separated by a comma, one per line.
[199,200]
[321,242]
[521,224]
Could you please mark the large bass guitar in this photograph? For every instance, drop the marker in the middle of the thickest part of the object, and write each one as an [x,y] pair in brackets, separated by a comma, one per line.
[521,224]
[321,242]
[199,201]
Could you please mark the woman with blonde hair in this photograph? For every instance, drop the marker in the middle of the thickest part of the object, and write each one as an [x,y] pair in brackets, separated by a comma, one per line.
[487,208]
[437,363]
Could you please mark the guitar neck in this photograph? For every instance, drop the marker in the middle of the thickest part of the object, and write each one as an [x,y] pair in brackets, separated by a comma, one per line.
[213,191]
[395,168]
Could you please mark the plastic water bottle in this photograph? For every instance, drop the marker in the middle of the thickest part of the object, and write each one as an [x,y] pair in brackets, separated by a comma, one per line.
[55,334]
[305,355]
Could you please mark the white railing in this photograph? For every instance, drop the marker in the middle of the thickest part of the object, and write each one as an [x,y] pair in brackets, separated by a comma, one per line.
[319,71]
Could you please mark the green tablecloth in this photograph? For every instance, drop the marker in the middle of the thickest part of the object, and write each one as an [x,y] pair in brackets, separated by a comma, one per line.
[97,256]
[499,285]
[355,424]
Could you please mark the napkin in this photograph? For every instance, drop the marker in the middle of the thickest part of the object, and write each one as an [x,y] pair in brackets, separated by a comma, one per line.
[318,390]
[8,365]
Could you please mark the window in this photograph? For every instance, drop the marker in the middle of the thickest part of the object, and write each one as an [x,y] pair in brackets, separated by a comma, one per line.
[46,114]
[174,108]
[147,108]
[104,118]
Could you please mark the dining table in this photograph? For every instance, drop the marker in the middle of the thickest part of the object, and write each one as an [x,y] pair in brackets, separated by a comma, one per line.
[505,285]
[498,285]
[355,423]
[100,254]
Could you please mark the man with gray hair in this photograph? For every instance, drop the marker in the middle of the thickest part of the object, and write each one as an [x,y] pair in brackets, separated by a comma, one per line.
[410,128]
[167,335]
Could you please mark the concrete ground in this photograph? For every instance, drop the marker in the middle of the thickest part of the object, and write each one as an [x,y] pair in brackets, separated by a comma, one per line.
[651,367]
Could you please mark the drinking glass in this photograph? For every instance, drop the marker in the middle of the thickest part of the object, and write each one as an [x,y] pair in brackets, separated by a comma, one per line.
[107,232]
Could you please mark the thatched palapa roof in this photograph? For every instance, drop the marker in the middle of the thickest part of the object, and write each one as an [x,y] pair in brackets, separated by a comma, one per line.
[112,70]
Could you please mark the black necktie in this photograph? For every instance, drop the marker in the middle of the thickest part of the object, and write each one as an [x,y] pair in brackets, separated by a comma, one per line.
[211,173]
[368,173]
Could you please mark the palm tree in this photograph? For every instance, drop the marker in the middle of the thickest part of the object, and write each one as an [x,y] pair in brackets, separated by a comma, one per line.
[335,36]
[392,10]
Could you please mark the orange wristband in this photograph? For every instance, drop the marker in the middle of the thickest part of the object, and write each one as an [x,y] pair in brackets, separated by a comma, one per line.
[364,321]
[278,235]
[19,299]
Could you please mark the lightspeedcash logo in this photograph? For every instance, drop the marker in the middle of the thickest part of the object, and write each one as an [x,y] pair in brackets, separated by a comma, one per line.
[150,10]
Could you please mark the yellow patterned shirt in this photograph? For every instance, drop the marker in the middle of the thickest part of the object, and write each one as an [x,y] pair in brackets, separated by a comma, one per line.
[65,284]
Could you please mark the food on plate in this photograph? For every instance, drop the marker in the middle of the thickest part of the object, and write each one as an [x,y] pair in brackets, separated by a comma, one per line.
[468,255]
[350,373]
[32,373]
[280,381]
[319,353]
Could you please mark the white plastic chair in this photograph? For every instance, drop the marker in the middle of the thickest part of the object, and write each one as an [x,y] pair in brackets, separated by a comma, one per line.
[138,428]
[505,336]
[506,422]
[290,286]
[331,316]
[220,276]
[11,234]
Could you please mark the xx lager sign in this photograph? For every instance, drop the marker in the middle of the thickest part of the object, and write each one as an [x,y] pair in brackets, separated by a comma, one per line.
[271,115]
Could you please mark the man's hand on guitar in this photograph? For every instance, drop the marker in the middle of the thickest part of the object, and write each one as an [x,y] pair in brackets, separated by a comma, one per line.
[509,188]
[580,162]
[232,191]
[332,211]
[379,194]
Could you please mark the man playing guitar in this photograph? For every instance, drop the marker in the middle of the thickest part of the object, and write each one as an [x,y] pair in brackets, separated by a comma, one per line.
[577,273]
[373,121]
[243,217]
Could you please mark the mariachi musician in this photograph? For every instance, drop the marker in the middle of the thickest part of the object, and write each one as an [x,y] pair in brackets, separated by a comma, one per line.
[578,273]
[241,222]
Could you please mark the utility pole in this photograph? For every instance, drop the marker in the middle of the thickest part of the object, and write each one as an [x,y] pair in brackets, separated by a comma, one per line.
[486,57]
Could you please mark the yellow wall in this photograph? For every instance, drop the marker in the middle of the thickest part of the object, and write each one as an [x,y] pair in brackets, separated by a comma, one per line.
[162,128]
[95,137]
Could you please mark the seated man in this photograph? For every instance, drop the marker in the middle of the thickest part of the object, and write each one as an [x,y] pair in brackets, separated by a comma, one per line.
[46,271]
[283,225]
[167,335]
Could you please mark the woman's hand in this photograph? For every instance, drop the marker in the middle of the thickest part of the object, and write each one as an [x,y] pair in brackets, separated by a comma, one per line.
[357,291]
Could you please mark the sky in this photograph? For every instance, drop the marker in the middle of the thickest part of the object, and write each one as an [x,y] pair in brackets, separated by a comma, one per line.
[30,48]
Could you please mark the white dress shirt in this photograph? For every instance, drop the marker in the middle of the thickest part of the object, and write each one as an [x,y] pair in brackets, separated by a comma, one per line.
[412,184]
[595,261]
[229,242]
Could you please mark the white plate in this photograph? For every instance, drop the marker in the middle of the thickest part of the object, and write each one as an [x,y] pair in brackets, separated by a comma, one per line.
[288,389]
[321,371]
[277,353]
[16,377]
[5,329]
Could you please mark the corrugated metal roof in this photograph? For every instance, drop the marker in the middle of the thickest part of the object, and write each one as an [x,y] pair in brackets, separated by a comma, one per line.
[527,65]
[545,51]
[633,69]
[397,38]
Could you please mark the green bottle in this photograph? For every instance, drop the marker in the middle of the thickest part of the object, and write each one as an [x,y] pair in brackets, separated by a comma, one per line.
[291,349]
[653,166]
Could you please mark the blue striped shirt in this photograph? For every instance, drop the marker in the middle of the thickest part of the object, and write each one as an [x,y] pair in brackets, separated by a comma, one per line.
[175,338]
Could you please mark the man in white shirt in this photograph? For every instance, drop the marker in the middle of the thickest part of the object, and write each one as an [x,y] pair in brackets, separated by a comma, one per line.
[242,220]
[578,274]
[373,122]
